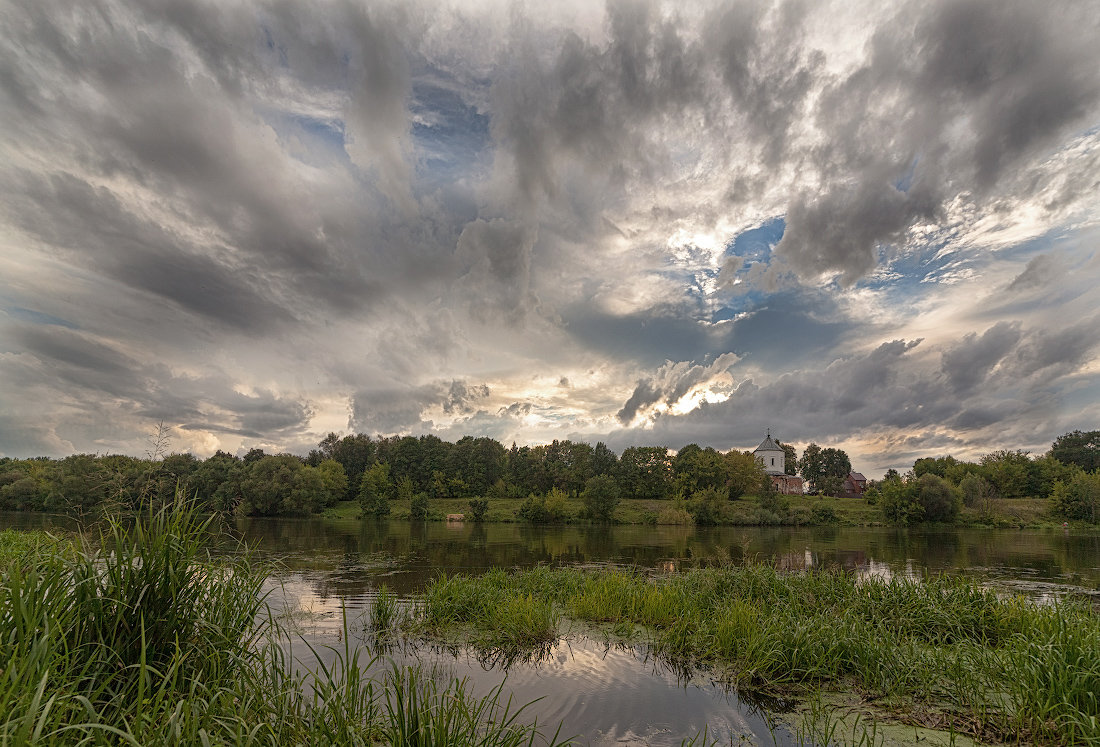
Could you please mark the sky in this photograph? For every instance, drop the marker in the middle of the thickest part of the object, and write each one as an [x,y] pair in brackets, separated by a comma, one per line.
[868,225]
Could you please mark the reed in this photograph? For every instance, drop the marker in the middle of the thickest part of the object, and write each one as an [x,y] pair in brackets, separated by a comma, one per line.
[141,638]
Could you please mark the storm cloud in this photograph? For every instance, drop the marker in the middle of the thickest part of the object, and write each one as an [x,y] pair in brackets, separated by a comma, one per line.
[261,222]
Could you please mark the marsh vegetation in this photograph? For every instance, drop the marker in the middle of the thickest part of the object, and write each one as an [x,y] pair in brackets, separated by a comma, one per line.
[140,637]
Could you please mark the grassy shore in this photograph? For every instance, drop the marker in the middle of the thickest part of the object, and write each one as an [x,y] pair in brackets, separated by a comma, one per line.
[800,510]
[138,637]
[942,652]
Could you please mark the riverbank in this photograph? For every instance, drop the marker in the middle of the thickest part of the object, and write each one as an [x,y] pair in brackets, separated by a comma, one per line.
[794,510]
[943,653]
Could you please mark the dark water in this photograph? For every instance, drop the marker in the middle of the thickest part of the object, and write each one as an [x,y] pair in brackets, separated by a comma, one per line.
[608,694]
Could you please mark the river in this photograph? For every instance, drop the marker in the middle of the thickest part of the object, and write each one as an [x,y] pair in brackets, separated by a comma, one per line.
[607,694]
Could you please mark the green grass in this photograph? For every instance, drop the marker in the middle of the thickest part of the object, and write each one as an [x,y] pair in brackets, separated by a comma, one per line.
[137,636]
[942,651]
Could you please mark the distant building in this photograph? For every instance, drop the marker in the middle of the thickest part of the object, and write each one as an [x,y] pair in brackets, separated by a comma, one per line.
[854,485]
[771,456]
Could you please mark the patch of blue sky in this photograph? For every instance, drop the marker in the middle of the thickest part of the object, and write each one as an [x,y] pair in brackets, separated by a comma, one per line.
[451,136]
[756,244]
[321,139]
[905,181]
[38,317]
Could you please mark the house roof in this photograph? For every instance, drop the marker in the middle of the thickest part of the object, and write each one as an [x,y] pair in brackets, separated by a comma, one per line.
[857,476]
[768,445]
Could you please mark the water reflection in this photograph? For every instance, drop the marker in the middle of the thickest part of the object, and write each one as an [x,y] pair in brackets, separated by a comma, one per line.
[327,574]
[348,559]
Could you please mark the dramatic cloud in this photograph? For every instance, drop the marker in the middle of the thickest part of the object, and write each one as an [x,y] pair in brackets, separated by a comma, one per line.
[640,221]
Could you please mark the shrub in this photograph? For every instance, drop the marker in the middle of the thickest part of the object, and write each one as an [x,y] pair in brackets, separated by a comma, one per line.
[600,496]
[479,509]
[773,502]
[1079,497]
[418,507]
[899,501]
[822,513]
[938,498]
[706,506]
[544,509]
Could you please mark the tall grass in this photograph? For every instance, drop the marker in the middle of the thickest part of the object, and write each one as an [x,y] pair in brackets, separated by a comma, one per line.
[942,650]
[140,637]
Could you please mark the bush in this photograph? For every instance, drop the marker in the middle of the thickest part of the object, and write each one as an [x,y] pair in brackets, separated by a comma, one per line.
[1078,497]
[418,507]
[822,513]
[600,496]
[974,489]
[544,509]
[899,501]
[773,502]
[706,506]
[938,498]
[479,509]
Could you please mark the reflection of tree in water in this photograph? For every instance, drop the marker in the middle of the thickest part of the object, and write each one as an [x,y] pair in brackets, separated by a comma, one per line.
[352,557]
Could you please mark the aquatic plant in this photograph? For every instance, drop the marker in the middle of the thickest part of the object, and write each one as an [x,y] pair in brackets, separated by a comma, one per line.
[141,637]
[998,668]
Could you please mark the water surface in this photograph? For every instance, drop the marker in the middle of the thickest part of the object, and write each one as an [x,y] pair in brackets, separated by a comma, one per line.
[614,694]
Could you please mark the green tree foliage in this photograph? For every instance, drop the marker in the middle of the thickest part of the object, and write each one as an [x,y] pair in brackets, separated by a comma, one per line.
[273,485]
[938,498]
[601,496]
[1012,474]
[790,458]
[976,490]
[355,453]
[418,507]
[695,469]
[217,482]
[707,506]
[549,508]
[334,481]
[604,461]
[78,484]
[1078,497]
[645,472]
[1079,448]
[745,475]
[817,464]
[376,489]
[898,499]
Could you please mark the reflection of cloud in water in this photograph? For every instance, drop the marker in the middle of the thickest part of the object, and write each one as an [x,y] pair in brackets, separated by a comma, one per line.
[607,694]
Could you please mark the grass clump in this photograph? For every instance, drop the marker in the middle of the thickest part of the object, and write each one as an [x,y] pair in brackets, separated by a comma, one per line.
[143,638]
[940,652]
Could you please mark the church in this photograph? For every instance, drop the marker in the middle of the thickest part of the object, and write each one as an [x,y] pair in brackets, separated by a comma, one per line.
[771,456]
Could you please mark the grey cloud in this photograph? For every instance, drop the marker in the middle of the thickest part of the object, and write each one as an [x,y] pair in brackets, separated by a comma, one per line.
[645,394]
[841,229]
[92,224]
[1040,271]
[1062,349]
[462,396]
[391,411]
[967,364]
[671,382]
[94,376]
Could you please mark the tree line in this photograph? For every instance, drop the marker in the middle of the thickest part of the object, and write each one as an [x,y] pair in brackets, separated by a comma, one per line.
[376,471]
[936,489]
